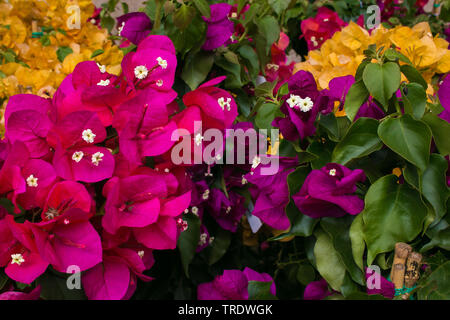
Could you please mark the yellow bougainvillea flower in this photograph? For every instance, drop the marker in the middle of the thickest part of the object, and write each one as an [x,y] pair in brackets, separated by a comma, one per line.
[341,55]
[37,67]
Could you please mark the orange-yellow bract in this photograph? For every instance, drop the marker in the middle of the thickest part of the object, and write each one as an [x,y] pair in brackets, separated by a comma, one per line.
[37,68]
[341,55]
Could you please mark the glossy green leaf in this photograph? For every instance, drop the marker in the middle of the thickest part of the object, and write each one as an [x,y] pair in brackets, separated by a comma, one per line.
[328,261]
[266,113]
[417,97]
[361,139]
[219,246]
[305,274]
[183,16]
[382,80]
[269,28]
[259,290]
[393,213]
[441,132]
[440,239]
[203,7]
[196,68]
[63,52]
[356,234]
[437,285]
[410,138]
[356,96]
[413,75]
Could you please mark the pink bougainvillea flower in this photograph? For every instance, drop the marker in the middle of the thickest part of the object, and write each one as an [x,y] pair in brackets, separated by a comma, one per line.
[134,26]
[17,295]
[26,120]
[232,285]
[90,88]
[278,69]
[219,27]
[216,106]
[143,130]
[76,155]
[39,176]
[316,290]
[63,196]
[320,28]
[330,192]
[386,289]
[152,66]
[68,239]
[19,252]
[271,192]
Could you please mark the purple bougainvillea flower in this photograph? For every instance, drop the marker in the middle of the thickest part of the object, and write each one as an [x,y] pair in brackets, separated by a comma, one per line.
[386,289]
[134,26]
[338,91]
[17,295]
[444,97]
[232,285]
[227,211]
[316,290]
[271,192]
[329,192]
[219,27]
[301,107]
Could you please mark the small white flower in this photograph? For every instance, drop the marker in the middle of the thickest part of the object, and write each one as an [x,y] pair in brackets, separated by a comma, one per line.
[293,100]
[332,172]
[325,20]
[306,104]
[275,67]
[93,21]
[121,28]
[141,72]
[88,136]
[198,139]
[96,158]
[186,210]
[244,181]
[205,195]
[202,240]
[141,253]
[255,162]
[162,62]
[101,67]
[77,156]
[17,258]
[194,210]
[211,239]
[32,181]
[159,83]
[227,211]
[103,83]
[222,103]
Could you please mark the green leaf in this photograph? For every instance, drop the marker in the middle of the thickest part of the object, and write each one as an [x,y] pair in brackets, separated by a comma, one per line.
[196,68]
[188,241]
[233,80]
[393,213]
[266,113]
[356,96]
[249,54]
[323,152]
[63,52]
[356,234]
[250,14]
[278,5]
[441,131]
[269,28]
[382,80]
[437,285]
[260,290]
[183,16]
[440,239]
[394,55]
[108,23]
[305,274]
[328,262]
[413,75]
[360,140]
[219,246]
[265,88]
[54,287]
[97,53]
[203,7]
[338,230]
[434,184]
[417,97]
[409,138]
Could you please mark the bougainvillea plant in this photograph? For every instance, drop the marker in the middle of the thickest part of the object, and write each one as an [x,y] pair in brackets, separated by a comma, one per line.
[106,192]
